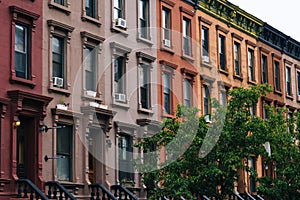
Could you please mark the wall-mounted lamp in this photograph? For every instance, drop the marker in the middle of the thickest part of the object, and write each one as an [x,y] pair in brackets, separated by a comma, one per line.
[46,128]
[16,123]
[108,142]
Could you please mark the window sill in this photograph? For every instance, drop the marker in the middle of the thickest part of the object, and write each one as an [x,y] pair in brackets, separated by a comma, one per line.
[120,105]
[277,92]
[59,7]
[165,115]
[222,71]
[119,30]
[239,77]
[145,111]
[289,97]
[59,90]
[91,20]
[22,81]
[167,49]
[188,57]
[206,64]
[251,82]
[90,98]
[144,40]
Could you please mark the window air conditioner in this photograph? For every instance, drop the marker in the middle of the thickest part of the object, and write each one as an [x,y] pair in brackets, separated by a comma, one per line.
[58,82]
[207,119]
[205,59]
[120,22]
[120,97]
[167,43]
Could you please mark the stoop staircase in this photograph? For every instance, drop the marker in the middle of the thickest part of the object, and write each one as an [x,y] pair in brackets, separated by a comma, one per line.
[54,190]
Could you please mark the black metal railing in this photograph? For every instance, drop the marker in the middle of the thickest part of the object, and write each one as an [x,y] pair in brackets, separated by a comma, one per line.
[57,191]
[247,196]
[236,196]
[26,189]
[258,197]
[98,191]
[121,192]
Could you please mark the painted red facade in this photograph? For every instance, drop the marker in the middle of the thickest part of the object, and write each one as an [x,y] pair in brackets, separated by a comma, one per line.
[21,98]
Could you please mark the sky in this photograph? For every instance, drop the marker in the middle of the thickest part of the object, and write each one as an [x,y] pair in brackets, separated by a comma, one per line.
[282,15]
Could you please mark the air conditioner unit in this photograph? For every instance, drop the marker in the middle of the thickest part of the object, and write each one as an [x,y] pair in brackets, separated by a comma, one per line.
[91,93]
[120,97]
[205,59]
[120,22]
[207,119]
[58,82]
[167,43]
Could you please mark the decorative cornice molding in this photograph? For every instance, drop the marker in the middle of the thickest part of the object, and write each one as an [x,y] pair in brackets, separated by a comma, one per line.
[15,9]
[287,62]
[146,57]
[169,64]
[188,72]
[85,34]
[60,25]
[120,47]
[232,15]
[248,42]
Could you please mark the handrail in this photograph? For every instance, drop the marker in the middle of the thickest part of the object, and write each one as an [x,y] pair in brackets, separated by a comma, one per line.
[105,192]
[238,196]
[29,187]
[250,196]
[122,190]
[205,197]
[259,197]
[55,186]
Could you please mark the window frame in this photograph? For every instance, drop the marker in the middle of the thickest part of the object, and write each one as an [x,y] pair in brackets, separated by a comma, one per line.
[145,62]
[277,77]
[95,18]
[147,13]
[288,83]
[122,9]
[298,82]
[28,19]
[64,31]
[252,53]
[165,28]
[205,29]
[206,95]
[119,52]
[221,54]
[186,36]
[187,87]
[237,59]
[264,68]
[94,41]
[63,8]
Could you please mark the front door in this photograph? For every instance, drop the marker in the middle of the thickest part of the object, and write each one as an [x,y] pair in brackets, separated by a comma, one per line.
[26,148]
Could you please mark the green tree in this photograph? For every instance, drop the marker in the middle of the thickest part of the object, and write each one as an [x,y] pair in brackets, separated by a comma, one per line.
[234,135]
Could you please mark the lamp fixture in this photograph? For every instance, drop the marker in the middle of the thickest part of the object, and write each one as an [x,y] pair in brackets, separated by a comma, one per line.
[46,158]
[108,142]
[46,128]
[16,123]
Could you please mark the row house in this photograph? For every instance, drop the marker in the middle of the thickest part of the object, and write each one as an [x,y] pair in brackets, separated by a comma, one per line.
[98,62]
[22,103]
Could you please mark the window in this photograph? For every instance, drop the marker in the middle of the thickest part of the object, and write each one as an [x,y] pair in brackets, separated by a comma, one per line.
[58,61]
[265,110]
[119,9]
[144,75]
[187,91]
[205,44]
[91,8]
[298,84]
[251,65]
[186,33]
[61,2]
[252,110]
[167,92]
[252,166]
[206,100]
[125,158]
[64,146]
[222,52]
[144,18]
[264,65]
[237,58]
[119,77]
[288,81]
[277,75]
[166,25]
[22,55]
[90,67]
[223,97]
[59,47]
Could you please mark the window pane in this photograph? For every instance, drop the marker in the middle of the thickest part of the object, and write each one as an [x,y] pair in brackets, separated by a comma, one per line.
[20,39]
[204,41]
[58,57]
[298,80]
[144,86]
[119,75]
[264,69]
[167,93]
[251,64]
[21,61]
[187,92]
[222,55]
